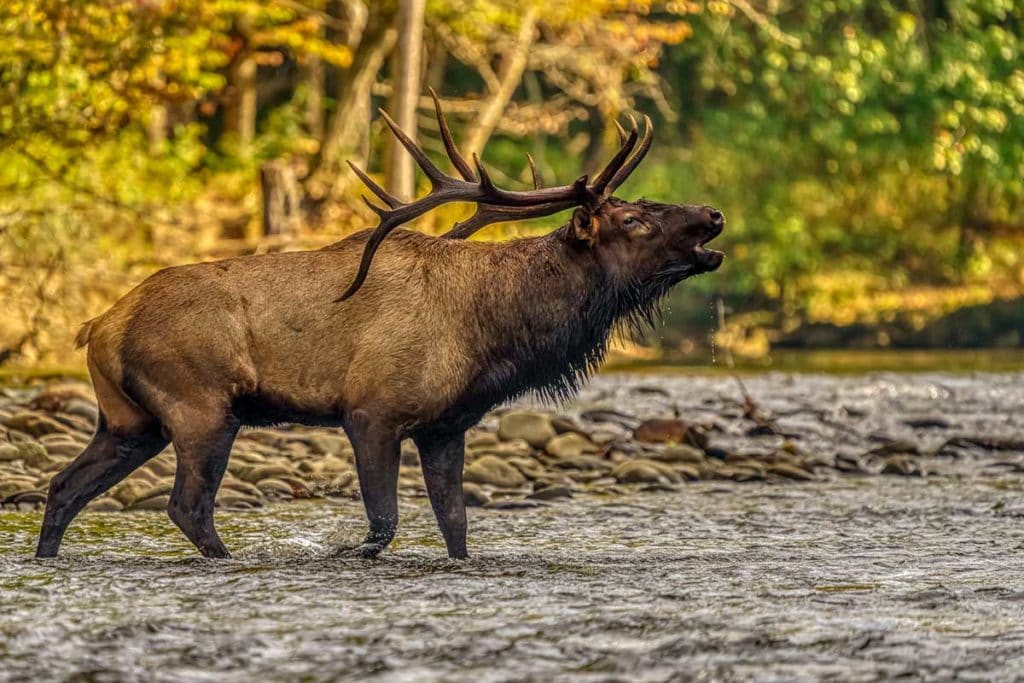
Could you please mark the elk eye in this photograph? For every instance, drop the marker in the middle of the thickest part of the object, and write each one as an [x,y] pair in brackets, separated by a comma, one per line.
[631,221]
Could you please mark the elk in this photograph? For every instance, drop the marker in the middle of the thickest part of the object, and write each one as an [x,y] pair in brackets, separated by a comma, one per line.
[420,346]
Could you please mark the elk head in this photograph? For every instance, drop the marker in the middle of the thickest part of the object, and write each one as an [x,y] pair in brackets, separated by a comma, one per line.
[634,242]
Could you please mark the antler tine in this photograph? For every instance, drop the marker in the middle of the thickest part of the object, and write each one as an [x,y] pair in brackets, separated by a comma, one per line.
[437,178]
[630,165]
[487,214]
[621,132]
[382,194]
[610,170]
[456,157]
[537,182]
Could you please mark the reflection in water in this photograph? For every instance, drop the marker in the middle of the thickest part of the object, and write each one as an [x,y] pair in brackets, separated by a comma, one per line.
[857,578]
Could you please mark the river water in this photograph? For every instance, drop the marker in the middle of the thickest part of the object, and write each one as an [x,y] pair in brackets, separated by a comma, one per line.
[855,579]
[851,578]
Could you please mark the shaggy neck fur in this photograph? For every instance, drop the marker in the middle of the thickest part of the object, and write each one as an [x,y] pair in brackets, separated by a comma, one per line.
[546,319]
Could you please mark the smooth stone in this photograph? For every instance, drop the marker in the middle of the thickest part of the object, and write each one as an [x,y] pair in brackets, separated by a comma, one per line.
[253,474]
[478,439]
[532,427]
[105,505]
[551,493]
[493,471]
[643,471]
[129,491]
[784,469]
[81,408]
[32,453]
[583,462]
[275,487]
[237,501]
[327,444]
[26,497]
[162,489]
[512,504]
[901,464]
[570,445]
[530,468]
[154,503]
[34,424]
[680,453]
[474,496]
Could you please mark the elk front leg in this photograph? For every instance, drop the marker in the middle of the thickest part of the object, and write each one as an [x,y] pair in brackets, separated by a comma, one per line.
[377,450]
[441,457]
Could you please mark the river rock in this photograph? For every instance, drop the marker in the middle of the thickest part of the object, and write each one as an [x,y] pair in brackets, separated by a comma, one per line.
[680,453]
[30,498]
[327,444]
[34,423]
[81,408]
[105,504]
[570,445]
[512,504]
[32,453]
[785,469]
[660,430]
[479,439]
[149,504]
[534,428]
[643,471]
[275,488]
[530,468]
[551,493]
[493,471]
[473,495]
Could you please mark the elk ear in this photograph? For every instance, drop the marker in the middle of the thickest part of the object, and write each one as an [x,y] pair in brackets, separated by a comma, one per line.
[585,226]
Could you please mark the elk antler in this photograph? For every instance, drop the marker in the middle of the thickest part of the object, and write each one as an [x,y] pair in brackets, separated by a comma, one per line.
[493,203]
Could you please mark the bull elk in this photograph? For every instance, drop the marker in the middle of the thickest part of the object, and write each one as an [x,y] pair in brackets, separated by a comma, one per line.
[439,331]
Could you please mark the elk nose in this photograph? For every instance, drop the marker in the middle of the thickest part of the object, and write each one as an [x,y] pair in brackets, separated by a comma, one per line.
[717,219]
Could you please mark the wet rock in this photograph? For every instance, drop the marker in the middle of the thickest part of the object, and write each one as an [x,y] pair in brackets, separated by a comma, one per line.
[478,439]
[161,489]
[895,446]
[81,408]
[30,498]
[551,493]
[680,453]
[33,423]
[530,468]
[927,422]
[512,504]
[534,428]
[566,425]
[615,417]
[586,463]
[660,430]
[105,505]
[644,471]
[276,488]
[493,471]
[237,501]
[901,464]
[150,504]
[570,445]
[32,453]
[328,444]
[254,474]
[785,469]
[129,491]
[474,496]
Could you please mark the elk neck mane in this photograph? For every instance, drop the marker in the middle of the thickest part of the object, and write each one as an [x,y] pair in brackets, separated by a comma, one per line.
[546,319]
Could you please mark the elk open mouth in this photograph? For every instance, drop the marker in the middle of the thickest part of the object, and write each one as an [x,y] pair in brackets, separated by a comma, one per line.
[708,259]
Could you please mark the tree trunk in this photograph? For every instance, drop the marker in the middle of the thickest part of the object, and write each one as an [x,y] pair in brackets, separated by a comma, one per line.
[240,114]
[315,74]
[513,64]
[348,128]
[280,199]
[408,62]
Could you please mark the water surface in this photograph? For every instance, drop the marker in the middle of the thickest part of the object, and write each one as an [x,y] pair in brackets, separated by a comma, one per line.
[854,579]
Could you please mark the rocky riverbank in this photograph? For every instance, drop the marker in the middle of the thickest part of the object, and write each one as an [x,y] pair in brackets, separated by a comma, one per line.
[623,435]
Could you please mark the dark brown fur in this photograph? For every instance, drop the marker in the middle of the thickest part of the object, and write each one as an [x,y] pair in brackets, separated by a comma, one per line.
[441,331]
